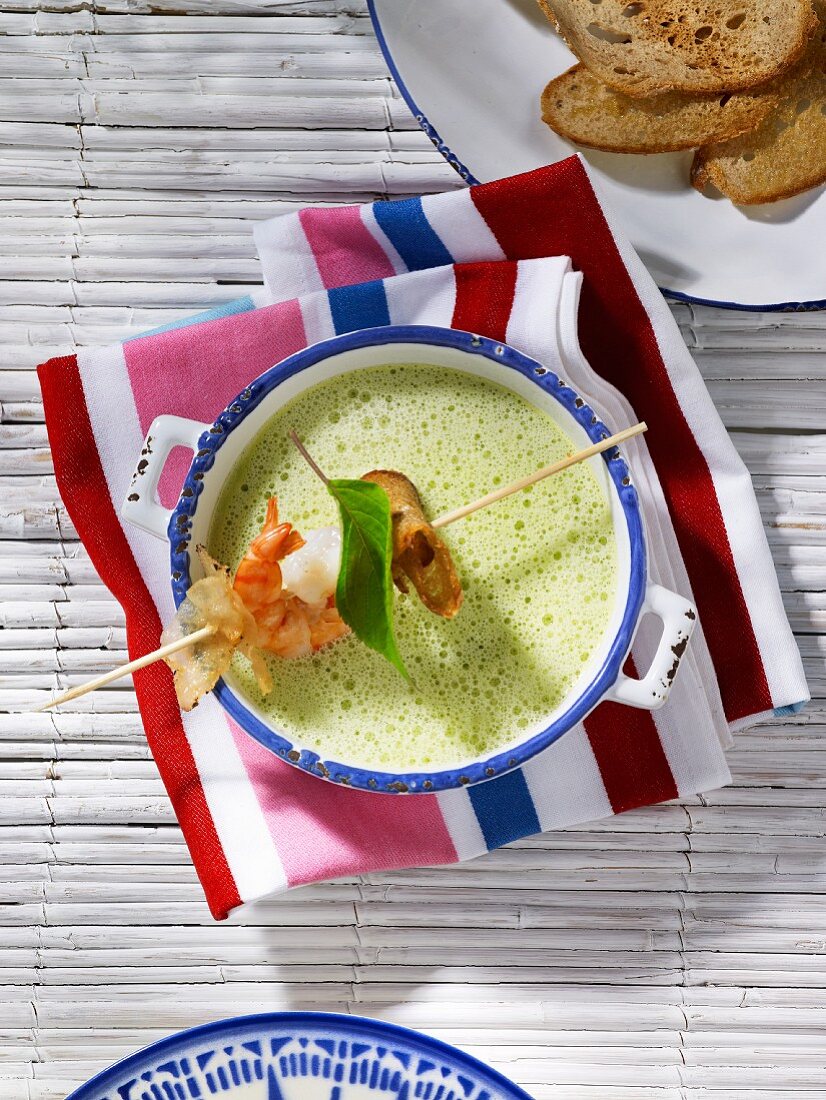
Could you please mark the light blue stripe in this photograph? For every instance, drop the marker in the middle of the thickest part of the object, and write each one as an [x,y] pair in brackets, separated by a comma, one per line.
[361,306]
[792,708]
[237,305]
[411,234]
[505,809]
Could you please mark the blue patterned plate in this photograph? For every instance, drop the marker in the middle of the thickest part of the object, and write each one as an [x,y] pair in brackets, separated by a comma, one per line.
[299,1056]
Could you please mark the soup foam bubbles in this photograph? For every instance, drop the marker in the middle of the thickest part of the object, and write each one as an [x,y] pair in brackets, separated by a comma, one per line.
[538,568]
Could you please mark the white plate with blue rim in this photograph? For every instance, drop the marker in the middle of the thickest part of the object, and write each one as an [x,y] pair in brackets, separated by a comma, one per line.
[299,1056]
[472,72]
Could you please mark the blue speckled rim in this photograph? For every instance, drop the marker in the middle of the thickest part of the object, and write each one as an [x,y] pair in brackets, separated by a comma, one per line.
[353,1027]
[213,439]
[431,131]
[466,174]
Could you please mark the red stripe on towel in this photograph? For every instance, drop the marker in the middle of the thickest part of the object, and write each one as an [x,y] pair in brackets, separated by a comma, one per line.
[630,755]
[551,213]
[484,298]
[81,482]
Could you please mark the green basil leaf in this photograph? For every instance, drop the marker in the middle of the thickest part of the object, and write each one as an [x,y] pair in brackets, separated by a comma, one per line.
[364,593]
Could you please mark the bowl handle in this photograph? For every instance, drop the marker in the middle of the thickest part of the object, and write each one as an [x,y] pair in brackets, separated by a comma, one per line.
[679,619]
[141,507]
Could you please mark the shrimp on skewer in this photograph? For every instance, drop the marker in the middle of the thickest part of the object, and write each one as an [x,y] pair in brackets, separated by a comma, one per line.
[258,578]
[257,611]
[297,618]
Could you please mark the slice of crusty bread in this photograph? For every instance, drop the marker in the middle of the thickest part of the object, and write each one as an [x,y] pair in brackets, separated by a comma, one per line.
[652,46]
[582,109]
[786,155]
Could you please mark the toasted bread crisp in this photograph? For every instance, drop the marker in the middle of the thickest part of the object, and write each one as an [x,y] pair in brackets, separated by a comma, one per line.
[213,602]
[786,155]
[582,109]
[419,555]
[648,47]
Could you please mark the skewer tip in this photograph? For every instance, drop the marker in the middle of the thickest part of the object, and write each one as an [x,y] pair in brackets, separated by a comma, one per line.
[308,458]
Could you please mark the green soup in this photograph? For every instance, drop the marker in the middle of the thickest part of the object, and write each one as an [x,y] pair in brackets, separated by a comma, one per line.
[538,568]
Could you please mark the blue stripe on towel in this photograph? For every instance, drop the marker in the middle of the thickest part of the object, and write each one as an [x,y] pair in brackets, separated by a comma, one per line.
[505,809]
[411,235]
[361,306]
[785,712]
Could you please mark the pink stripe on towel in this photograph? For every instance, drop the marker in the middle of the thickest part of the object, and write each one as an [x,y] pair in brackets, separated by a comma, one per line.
[345,251]
[177,372]
[323,831]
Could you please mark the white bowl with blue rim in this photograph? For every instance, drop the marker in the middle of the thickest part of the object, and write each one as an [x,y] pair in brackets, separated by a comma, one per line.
[218,446]
[299,1056]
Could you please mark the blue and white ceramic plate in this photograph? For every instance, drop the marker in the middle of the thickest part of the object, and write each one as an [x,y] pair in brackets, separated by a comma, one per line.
[299,1056]
[472,72]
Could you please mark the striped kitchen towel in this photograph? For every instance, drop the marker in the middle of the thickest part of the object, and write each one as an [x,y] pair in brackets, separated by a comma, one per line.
[532,260]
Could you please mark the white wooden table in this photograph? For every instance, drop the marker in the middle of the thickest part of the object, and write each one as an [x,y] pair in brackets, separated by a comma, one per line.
[677,952]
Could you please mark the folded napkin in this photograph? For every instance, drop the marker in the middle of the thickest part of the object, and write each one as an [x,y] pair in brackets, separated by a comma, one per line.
[535,261]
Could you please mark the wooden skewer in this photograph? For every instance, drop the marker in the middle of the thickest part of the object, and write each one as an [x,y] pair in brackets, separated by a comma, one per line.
[539,475]
[442,521]
[132,666]
[308,458]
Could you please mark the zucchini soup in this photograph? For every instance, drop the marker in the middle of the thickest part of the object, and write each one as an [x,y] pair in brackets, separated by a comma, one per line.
[538,569]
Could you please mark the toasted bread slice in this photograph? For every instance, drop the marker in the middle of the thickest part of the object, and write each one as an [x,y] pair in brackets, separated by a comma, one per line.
[786,155]
[652,46]
[582,109]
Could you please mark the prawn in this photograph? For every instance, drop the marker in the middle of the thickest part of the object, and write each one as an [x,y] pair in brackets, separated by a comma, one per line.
[258,578]
[288,625]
